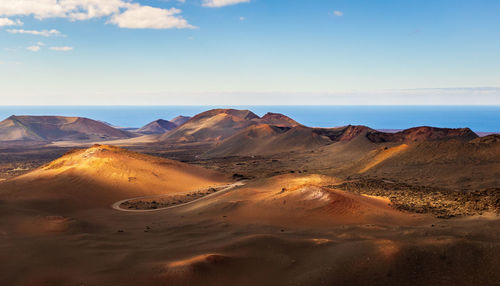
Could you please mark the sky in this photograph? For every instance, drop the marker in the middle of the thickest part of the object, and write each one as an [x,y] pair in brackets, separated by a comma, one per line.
[249,52]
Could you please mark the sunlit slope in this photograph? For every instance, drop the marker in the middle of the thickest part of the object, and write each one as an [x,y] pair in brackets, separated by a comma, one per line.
[101,175]
[299,200]
[211,125]
[449,163]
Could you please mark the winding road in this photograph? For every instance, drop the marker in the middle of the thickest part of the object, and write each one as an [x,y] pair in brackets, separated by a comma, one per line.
[225,189]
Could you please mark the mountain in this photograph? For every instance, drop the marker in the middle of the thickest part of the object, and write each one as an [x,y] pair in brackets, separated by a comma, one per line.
[159,126]
[101,175]
[451,163]
[345,133]
[57,128]
[179,120]
[278,120]
[423,133]
[265,139]
[219,124]
[212,125]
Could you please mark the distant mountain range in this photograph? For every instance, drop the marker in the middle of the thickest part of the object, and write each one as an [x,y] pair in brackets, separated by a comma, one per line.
[232,132]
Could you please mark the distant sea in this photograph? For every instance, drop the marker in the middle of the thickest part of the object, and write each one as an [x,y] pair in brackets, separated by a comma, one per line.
[478,118]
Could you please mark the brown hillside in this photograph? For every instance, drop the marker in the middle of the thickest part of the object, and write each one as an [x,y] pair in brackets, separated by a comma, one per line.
[211,125]
[423,133]
[56,128]
[179,120]
[159,126]
[278,120]
[101,175]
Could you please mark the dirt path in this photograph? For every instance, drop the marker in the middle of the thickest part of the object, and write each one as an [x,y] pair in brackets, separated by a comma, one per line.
[226,188]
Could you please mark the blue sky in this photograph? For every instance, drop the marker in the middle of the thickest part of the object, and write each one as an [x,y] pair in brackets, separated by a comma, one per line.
[151,52]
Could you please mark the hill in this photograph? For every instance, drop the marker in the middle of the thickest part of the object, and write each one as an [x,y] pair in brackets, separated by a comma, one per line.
[278,120]
[449,163]
[300,200]
[100,175]
[159,126]
[424,133]
[265,139]
[57,128]
[179,120]
[219,124]
[212,125]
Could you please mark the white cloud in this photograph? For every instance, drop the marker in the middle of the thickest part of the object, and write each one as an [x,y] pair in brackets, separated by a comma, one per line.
[338,13]
[9,22]
[242,18]
[222,3]
[44,33]
[122,12]
[61,49]
[141,17]
[33,48]
[73,9]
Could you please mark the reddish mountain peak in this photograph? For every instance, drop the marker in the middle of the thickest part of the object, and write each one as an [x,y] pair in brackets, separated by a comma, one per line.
[278,120]
[345,133]
[353,131]
[423,133]
[212,125]
[240,114]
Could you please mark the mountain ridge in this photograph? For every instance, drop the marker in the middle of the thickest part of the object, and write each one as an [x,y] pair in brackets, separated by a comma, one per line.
[56,128]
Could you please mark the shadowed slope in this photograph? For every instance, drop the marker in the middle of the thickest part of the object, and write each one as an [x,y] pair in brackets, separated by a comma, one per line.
[159,126]
[253,139]
[269,139]
[423,133]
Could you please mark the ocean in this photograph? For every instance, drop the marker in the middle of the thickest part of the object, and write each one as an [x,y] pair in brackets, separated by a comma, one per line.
[478,118]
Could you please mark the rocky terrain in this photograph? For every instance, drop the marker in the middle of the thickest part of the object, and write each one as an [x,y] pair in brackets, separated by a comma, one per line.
[441,202]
